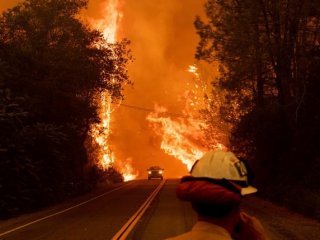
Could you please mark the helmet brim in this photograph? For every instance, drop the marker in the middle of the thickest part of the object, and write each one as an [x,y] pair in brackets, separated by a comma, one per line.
[248,190]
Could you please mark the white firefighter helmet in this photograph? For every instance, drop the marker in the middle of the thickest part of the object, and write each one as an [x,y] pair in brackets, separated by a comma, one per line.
[219,164]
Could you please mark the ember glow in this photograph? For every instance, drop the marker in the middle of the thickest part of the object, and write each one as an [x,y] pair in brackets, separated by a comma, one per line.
[194,69]
[101,132]
[199,89]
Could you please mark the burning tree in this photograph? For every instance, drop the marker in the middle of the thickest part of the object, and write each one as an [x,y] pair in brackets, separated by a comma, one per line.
[108,100]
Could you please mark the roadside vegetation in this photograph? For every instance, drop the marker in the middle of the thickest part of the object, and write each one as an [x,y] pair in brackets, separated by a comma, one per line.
[269,57]
[51,67]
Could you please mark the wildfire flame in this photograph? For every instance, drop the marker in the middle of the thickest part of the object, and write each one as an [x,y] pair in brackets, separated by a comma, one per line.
[183,137]
[109,24]
[180,137]
[101,132]
[128,172]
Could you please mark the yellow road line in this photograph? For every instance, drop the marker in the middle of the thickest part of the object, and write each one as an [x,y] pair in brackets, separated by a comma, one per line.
[130,224]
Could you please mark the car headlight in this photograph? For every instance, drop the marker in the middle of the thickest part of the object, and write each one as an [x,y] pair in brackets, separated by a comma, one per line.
[160,171]
[149,172]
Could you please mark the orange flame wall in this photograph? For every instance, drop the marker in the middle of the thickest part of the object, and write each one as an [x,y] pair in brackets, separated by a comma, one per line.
[163,43]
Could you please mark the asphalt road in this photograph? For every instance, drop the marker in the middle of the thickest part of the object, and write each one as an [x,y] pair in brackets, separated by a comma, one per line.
[101,214]
[98,217]
[166,217]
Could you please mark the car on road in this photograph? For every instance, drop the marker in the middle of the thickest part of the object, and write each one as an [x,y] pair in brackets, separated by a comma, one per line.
[155,172]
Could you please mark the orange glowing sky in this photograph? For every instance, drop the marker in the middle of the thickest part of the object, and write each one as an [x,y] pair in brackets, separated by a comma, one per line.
[163,43]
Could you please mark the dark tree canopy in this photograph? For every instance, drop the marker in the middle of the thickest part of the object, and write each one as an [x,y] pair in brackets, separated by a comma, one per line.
[52,66]
[269,54]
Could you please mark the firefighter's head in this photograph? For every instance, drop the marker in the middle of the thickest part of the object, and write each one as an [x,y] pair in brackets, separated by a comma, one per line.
[217,183]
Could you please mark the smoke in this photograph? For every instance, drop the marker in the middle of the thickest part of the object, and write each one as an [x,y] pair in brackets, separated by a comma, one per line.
[163,42]
[5,4]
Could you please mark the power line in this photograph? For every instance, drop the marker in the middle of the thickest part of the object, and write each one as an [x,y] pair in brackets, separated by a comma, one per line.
[152,110]
[137,107]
